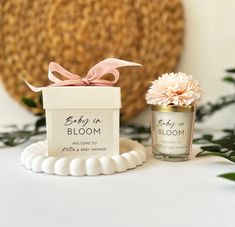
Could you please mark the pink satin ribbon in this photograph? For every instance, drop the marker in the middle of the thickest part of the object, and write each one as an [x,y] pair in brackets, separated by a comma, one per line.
[93,77]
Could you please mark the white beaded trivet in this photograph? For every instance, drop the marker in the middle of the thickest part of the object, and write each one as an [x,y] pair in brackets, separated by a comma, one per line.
[34,157]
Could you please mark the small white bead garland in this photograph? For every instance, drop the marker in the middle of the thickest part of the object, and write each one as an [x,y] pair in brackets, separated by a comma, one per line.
[34,158]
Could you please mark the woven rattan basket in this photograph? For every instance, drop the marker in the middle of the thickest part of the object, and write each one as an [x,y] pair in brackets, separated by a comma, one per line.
[79,33]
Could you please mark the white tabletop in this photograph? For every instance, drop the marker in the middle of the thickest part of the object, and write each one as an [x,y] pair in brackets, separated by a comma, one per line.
[163,194]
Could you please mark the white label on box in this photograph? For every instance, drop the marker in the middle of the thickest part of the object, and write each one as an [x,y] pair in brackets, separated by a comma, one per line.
[87,133]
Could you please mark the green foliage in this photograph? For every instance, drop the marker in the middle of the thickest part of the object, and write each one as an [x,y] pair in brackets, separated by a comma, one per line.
[210,108]
[41,122]
[230,70]
[223,147]
[29,102]
[229,79]
[228,176]
[17,136]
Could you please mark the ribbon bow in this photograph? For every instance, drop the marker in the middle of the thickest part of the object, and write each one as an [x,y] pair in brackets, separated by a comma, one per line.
[93,77]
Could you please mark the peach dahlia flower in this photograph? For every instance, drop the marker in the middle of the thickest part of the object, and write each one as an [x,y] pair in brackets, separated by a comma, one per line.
[174,89]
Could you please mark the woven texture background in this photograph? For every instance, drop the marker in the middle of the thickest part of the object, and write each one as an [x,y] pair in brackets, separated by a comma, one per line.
[77,34]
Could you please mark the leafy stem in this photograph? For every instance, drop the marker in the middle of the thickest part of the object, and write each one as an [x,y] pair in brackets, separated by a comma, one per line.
[223,147]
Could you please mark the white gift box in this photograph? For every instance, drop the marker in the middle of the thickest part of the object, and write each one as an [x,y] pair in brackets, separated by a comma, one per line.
[82,121]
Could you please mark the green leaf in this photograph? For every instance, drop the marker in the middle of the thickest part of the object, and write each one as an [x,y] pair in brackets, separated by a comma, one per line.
[229,79]
[29,102]
[209,153]
[9,142]
[230,70]
[208,137]
[13,141]
[40,123]
[229,131]
[228,176]
[211,148]
[18,136]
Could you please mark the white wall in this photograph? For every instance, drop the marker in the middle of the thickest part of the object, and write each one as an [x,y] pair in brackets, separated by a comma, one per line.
[209,48]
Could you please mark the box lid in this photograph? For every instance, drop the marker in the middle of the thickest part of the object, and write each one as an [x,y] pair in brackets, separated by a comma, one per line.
[89,97]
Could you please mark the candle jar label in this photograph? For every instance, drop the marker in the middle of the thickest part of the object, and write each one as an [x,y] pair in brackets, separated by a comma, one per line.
[171,132]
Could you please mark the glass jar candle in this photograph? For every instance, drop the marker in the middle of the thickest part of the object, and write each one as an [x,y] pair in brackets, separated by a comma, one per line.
[172,131]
